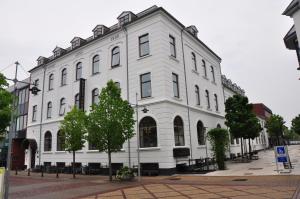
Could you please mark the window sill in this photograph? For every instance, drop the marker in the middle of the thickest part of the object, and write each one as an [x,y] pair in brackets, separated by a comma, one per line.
[199,106]
[174,58]
[113,67]
[209,109]
[63,85]
[178,147]
[177,99]
[213,82]
[201,146]
[92,151]
[143,57]
[47,152]
[60,152]
[94,74]
[204,77]
[145,98]
[50,90]
[194,71]
[150,149]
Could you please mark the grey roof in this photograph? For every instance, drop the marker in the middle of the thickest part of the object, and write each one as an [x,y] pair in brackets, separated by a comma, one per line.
[19,85]
[232,86]
[292,8]
[290,37]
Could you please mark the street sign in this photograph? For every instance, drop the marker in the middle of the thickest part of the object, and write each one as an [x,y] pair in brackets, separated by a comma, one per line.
[282,156]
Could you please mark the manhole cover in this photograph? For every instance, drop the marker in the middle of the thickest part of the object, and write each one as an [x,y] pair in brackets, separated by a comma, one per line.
[255,168]
[240,179]
[175,178]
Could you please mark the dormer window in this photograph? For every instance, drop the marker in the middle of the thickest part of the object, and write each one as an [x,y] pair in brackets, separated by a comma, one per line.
[193,30]
[99,30]
[42,60]
[58,52]
[124,20]
[125,17]
[76,42]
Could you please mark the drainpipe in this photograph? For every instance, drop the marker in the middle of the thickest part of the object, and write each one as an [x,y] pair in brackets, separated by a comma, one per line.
[41,119]
[186,92]
[127,84]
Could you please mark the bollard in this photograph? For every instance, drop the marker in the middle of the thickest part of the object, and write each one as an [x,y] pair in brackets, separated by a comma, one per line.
[42,173]
[57,173]
[28,174]
[16,170]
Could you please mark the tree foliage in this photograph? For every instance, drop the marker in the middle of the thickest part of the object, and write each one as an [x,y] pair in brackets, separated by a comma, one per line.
[275,127]
[219,139]
[73,129]
[110,122]
[296,124]
[5,104]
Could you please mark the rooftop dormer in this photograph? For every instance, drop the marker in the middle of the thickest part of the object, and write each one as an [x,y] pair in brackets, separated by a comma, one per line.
[42,60]
[126,17]
[193,30]
[58,51]
[99,30]
[76,42]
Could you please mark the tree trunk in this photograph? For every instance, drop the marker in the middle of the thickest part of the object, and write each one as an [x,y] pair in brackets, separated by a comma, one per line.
[242,148]
[73,164]
[249,148]
[109,163]
[278,141]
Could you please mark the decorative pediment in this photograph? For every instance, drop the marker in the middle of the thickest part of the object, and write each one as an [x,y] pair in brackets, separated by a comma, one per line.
[42,60]
[100,30]
[193,30]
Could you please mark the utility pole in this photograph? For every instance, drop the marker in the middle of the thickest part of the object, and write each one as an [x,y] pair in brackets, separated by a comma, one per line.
[10,135]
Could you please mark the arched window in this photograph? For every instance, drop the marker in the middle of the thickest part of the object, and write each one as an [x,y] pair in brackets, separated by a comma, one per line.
[213,73]
[197,92]
[194,61]
[219,126]
[216,102]
[204,68]
[64,77]
[96,64]
[78,70]
[77,100]
[200,133]
[49,109]
[48,141]
[60,142]
[51,81]
[95,96]
[62,106]
[148,132]
[178,131]
[207,99]
[115,57]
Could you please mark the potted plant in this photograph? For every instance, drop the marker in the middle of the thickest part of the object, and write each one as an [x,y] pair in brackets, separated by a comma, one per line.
[125,174]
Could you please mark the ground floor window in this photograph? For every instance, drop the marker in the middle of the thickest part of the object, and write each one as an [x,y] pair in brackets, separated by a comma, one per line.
[148,132]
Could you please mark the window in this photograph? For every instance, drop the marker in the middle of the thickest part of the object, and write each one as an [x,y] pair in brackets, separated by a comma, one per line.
[34,112]
[92,146]
[51,81]
[197,92]
[118,85]
[96,62]
[115,57]
[77,100]
[213,73]
[64,77]
[144,45]
[207,99]
[36,82]
[60,142]
[148,132]
[48,141]
[200,133]
[178,131]
[95,96]
[124,20]
[145,85]
[204,68]
[216,102]
[219,126]
[62,106]
[194,61]
[231,139]
[175,85]
[172,46]
[78,70]
[49,109]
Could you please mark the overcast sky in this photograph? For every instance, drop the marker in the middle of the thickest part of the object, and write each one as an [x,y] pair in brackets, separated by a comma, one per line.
[246,34]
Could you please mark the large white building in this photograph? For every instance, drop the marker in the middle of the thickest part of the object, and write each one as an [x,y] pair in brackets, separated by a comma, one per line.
[153,57]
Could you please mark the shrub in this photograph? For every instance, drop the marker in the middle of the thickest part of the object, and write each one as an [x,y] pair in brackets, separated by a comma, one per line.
[125,173]
[219,140]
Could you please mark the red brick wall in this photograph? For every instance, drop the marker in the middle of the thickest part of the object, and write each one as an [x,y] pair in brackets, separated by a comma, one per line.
[18,154]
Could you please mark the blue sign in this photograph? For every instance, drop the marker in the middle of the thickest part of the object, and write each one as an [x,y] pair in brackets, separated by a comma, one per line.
[280,150]
[282,159]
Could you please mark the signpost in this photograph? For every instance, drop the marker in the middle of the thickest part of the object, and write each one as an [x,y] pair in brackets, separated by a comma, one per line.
[282,156]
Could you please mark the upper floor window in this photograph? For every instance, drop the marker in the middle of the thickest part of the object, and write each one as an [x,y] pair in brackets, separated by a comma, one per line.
[200,133]
[197,92]
[62,106]
[64,77]
[172,46]
[178,131]
[213,73]
[115,56]
[144,45]
[77,100]
[96,64]
[207,99]
[51,81]
[36,82]
[124,20]
[78,70]
[175,85]
[204,68]
[148,132]
[216,102]
[48,141]
[34,112]
[49,109]
[194,61]
[118,84]
[145,85]
[95,96]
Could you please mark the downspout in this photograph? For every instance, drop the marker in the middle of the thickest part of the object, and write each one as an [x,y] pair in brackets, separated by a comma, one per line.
[187,97]
[127,84]
[41,119]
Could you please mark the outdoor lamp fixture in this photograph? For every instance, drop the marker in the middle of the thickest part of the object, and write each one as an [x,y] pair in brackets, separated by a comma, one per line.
[145,110]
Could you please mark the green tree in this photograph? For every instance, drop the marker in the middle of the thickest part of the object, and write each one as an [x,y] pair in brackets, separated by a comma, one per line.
[73,129]
[275,127]
[110,122]
[239,117]
[6,100]
[253,128]
[296,124]
[219,139]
